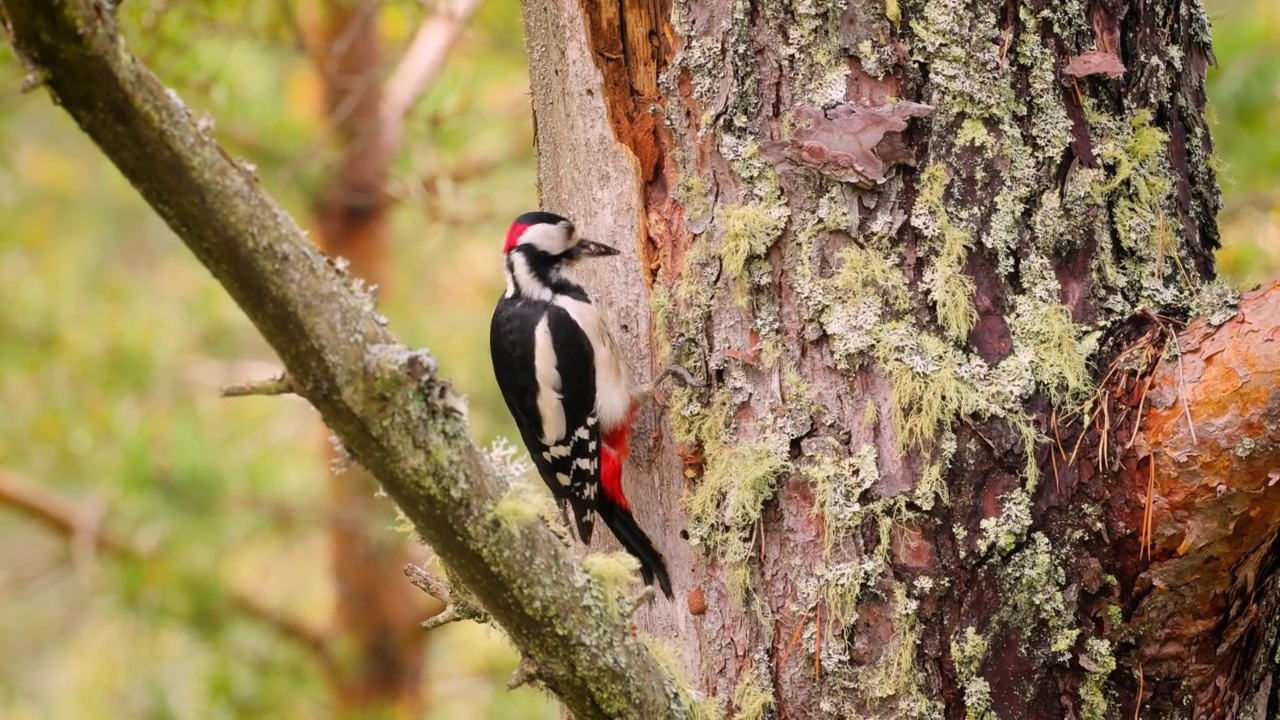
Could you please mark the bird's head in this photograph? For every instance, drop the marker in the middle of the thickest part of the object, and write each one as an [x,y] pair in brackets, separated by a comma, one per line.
[546,239]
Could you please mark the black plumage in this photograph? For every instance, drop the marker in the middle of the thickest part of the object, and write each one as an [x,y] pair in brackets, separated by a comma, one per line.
[511,343]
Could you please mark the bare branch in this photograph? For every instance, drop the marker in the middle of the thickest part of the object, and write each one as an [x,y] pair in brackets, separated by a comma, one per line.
[639,600]
[54,513]
[525,673]
[399,419]
[87,529]
[278,385]
[421,65]
[456,606]
[418,68]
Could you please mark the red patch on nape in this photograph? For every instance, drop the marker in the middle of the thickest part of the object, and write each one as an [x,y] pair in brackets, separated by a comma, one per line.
[513,236]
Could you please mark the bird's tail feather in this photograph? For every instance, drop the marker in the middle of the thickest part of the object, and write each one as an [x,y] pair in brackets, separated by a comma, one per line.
[583,517]
[635,541]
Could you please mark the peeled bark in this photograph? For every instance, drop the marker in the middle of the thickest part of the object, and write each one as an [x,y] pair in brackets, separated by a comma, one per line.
[905,243]
[1206,482]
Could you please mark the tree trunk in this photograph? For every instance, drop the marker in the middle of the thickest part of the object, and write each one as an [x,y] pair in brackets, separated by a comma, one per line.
[380,647]
[929,255]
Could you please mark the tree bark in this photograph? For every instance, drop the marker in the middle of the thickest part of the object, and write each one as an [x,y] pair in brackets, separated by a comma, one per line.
[917,247]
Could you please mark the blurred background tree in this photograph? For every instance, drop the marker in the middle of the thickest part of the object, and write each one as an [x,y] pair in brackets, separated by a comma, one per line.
[189,572]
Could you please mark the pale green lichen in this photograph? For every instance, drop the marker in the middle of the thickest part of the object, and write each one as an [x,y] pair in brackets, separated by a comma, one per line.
[614,572]
[895,675]
[707,707]
[1036,597]
[949,287]
[928,390]
[973,132]
[663,310]
[1099,661]
[1057,347]
[694,195]
[968,651]
[1216,302]
[738,481]
[840,584]
[699,706]
[1003,533]
[695,421]
[751,698]
[1137,181]
[748,230]
[1115,616]
[726,503]
[525,500]
[932,487]
[838,484]
[870,413]
[516,508]
[812,43]
[866,291]
[893,12]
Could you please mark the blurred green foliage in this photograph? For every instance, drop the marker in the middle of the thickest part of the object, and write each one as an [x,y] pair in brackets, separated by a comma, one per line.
[113,342]
[1244,95]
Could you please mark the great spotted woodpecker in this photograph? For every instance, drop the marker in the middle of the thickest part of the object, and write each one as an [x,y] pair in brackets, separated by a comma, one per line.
[564,382]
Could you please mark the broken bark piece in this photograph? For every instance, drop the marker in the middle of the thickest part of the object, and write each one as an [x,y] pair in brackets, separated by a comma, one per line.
[848,142]
[1095,62]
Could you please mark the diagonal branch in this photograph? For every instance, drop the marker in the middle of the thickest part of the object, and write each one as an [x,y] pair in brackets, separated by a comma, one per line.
[60,517]
[398,418]
[421,64]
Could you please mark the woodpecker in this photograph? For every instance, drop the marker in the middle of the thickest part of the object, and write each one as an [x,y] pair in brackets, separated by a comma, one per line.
[565,383]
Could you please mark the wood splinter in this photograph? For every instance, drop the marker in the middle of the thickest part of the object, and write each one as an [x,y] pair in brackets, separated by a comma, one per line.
[455,609]
[526,672]
[280,384]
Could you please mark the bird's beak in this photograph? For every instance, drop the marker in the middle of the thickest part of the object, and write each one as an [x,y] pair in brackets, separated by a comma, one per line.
[586,248]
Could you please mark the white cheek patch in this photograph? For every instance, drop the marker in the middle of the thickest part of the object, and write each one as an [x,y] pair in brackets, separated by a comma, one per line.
[550,239]
[550,409]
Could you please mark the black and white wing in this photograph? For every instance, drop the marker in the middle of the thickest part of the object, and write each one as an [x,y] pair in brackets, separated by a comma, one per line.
[531,342]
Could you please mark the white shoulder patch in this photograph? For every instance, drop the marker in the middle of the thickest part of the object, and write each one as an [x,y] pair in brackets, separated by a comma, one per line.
[550,409]
[613,381]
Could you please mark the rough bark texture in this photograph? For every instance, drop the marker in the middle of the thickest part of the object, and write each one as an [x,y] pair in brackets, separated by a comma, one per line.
[1205,483]
[905,241]
[396,417]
